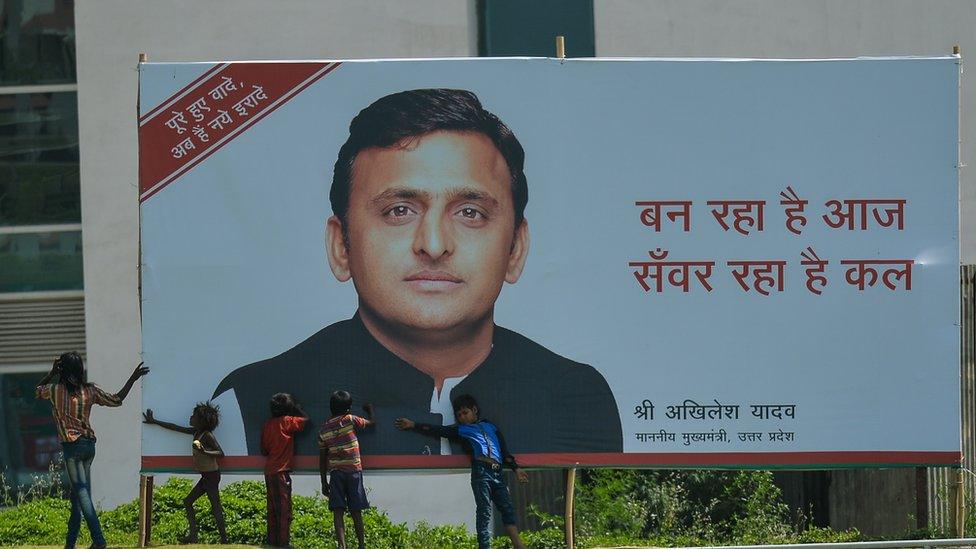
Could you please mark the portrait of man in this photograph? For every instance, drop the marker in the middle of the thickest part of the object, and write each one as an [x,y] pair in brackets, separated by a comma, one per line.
[428,196]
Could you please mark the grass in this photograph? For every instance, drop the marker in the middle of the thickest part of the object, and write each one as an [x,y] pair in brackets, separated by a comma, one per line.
[200,546]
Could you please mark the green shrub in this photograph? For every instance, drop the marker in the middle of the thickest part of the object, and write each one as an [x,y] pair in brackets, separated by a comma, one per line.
[37,522]
[425,535]
[660,508]
[44,521]
[687,508]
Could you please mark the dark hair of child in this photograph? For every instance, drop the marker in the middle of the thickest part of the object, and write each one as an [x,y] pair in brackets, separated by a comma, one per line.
[72,371]
[283,404]
[209,415]
[464,401]
[340,403]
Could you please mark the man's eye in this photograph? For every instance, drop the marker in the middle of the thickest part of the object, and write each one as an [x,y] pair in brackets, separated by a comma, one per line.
[398,211]
[471,213]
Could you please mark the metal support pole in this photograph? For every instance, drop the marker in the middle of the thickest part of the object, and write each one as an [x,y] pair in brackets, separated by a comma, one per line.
[560,47]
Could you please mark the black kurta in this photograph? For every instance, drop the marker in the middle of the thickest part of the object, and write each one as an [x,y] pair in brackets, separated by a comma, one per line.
[545,403]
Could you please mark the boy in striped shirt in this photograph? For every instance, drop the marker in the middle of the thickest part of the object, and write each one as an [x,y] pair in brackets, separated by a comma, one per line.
[339,459]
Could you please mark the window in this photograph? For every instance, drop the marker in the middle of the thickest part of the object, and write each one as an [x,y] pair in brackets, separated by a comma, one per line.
[28,437]
[40,199]
[39,159]
[37,42]
[529,28]
[40,261]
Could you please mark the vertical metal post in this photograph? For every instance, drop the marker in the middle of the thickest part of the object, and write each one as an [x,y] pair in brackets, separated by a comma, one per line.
[570,495]
[560,47]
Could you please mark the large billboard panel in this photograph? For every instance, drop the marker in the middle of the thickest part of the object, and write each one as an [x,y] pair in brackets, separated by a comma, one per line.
[654,262]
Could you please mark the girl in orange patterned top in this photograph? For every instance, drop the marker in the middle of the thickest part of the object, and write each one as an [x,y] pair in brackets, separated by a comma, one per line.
[72,398]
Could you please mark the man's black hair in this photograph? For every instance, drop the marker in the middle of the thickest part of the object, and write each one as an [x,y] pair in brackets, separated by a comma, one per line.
[209,414]
[71,370]
[464,401]
[283,404]
[396,120]
[340,403]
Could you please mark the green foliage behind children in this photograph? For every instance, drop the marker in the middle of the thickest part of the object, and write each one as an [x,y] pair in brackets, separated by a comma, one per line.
[614,507]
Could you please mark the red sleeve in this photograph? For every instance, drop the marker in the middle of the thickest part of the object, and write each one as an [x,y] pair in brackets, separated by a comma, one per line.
[106,399]
[358,422]
[293,424]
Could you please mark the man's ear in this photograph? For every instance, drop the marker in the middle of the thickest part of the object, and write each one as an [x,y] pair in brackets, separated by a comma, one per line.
[520,251]
[336,249]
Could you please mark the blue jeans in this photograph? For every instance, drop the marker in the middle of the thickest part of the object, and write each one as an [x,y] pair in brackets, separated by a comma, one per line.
[78,456]
[489,487]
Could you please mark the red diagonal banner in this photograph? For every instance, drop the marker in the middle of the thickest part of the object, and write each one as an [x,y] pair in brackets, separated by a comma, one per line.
[212,110]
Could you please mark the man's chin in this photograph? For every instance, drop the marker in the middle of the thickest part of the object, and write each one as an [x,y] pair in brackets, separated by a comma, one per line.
[432,322]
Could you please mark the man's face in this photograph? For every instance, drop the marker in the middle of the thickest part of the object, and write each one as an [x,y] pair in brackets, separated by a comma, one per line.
[430,232]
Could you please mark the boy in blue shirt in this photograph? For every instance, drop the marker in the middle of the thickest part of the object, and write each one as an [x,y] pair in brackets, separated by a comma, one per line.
[488,452]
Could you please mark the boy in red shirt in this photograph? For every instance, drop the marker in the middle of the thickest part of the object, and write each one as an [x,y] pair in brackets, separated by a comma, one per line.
[278,443]
[339,459]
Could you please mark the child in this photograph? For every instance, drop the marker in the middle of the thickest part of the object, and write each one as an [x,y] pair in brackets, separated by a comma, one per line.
[206,450]
[72,398]
[278,443]
[339,458]
[487,447]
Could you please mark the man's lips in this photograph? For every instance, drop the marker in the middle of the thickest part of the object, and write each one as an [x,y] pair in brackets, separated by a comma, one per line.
[433,276]
[433,281]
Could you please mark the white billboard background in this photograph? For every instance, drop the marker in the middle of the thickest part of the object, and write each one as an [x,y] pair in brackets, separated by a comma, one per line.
[234,268]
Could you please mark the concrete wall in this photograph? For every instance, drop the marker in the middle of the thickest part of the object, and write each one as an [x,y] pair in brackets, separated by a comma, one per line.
[802,28]
[110,35]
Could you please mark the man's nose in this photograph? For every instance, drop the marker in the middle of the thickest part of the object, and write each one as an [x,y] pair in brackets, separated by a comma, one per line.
[434,237]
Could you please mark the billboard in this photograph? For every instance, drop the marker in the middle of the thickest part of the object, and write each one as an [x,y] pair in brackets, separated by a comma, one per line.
[650,262]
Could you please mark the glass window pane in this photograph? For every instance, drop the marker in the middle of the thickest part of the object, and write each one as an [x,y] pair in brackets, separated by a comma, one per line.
[39,182]
[517,27]
[37,42]
[36,262]
[29,441]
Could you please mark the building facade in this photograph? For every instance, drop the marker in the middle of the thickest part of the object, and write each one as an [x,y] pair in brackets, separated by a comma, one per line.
[69,218]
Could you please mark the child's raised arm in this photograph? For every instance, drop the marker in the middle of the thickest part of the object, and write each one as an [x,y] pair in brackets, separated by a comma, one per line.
[149,419]
[368,408]
[140,371]
[449,431]
[55,370]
